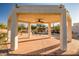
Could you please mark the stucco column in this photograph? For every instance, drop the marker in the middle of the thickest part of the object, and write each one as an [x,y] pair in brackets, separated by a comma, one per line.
[29,30]
[14,31]
[63,32]
[69,30]
[49,29]
[9,31]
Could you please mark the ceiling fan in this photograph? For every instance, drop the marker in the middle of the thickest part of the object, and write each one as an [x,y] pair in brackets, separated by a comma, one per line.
[40,20]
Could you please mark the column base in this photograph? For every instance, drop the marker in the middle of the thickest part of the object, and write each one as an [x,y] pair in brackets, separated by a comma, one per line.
[63,49]
[14,43]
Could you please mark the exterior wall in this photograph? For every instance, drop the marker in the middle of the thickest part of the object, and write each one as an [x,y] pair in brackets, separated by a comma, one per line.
[75,28]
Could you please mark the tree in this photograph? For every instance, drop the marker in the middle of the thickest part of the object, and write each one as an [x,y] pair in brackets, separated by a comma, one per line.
[21,27]
[56,29]
[33,27]
[40,27]
[3,26]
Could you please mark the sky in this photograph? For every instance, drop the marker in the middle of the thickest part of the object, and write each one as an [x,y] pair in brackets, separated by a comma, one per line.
[73,8]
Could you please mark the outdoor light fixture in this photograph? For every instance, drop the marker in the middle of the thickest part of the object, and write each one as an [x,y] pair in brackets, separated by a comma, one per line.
[17,6]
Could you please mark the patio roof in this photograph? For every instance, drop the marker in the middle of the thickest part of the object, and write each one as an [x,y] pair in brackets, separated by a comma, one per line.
[33,12]
[45,17]
[40,14]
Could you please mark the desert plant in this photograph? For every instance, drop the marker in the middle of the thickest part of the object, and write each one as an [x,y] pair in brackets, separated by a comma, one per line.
[3,41]
[3,37]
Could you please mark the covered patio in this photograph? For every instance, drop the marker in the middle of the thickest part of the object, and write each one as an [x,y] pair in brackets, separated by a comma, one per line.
[39,14]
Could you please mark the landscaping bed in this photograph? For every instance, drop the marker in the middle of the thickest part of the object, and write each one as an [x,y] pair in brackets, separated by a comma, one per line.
[3,45]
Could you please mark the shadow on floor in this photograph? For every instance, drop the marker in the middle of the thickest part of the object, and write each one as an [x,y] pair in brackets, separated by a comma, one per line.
[37,52]
[77,53]
[56,36]
[27,40]
[33,40]
[24,38]
[76,38]
[56,52]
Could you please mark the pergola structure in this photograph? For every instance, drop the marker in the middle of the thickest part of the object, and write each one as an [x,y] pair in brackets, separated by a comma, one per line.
[35,14]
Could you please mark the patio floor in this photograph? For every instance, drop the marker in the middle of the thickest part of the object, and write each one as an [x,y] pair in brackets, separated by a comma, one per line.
[43,45]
